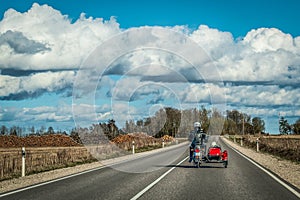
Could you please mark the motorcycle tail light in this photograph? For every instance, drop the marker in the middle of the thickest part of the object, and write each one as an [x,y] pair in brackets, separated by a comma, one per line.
[197,150]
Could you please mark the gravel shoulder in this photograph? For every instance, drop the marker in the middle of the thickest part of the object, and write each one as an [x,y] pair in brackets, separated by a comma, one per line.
[287,170]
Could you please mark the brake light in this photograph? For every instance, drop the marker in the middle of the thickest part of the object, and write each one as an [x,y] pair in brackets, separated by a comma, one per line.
[197,150]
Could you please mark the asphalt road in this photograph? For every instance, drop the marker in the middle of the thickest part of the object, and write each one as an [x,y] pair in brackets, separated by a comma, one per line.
[159,176]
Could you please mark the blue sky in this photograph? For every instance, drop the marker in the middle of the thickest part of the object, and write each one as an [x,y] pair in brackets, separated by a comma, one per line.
[232,15]
[255,46]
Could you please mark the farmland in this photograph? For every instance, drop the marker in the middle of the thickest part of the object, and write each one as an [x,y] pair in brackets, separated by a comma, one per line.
[283,146]
[49,152]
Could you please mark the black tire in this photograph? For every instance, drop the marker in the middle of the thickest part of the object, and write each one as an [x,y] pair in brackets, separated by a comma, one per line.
[225,164]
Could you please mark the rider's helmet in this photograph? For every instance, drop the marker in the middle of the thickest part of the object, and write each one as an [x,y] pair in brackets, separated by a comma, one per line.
[197,125]
[213,144]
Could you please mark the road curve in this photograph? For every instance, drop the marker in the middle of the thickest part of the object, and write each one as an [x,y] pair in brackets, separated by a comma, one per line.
[164,178]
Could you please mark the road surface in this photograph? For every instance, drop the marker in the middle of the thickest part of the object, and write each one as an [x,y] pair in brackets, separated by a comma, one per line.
[164,175]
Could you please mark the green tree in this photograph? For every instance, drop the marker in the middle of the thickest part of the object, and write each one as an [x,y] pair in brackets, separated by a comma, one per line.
[238,123]
[248,128]
[50,130]
[296,127]
[113,129]
[258,125]
[284,127]
[204,118]
[229,127]
[169,119]
[235,120]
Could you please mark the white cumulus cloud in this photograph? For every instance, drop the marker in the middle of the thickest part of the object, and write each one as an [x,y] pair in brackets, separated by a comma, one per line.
[42,49]
[67,43]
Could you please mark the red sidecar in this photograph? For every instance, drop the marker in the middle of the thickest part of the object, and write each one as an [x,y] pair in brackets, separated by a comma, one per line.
[215,154]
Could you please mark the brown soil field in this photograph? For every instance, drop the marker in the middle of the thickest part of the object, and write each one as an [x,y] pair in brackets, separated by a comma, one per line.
[49,152]
[54,140]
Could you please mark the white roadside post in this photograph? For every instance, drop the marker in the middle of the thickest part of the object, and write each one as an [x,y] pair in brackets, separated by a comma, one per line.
[163,143]
[133,147]
[234,140]
[257,144]
[23,161]
[241,142]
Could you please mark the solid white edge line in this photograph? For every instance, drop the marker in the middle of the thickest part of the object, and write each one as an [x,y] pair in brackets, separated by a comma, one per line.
[138,195]
[51,181]
[267,172]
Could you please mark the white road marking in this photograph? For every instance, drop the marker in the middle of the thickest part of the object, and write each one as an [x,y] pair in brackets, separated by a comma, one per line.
[138,195]
[267,172]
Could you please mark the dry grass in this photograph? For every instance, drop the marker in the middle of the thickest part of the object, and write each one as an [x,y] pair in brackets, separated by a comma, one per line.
[284,146]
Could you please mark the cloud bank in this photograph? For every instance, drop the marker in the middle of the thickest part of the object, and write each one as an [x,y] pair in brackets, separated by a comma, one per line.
[41,51]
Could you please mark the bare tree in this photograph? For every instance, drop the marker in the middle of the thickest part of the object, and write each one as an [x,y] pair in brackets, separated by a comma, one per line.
[3,130]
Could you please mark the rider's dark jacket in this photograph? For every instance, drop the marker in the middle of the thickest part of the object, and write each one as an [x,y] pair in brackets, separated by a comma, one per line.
[196,140]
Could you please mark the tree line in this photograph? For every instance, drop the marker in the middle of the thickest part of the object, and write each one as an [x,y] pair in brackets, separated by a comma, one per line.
[22,131]
[170,121]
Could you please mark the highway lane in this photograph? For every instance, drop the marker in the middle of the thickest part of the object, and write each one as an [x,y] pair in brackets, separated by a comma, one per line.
[241,180]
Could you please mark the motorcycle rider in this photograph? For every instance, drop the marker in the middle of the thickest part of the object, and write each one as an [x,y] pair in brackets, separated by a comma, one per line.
[214,144]
[199,135]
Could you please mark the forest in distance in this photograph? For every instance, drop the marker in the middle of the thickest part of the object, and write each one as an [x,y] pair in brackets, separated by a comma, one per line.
[172,122]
